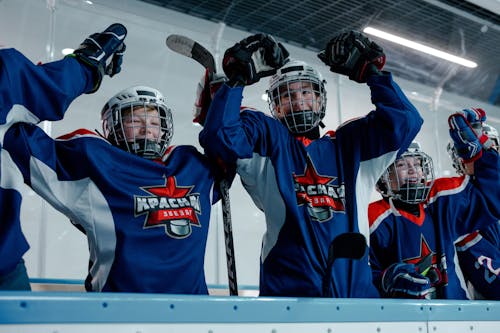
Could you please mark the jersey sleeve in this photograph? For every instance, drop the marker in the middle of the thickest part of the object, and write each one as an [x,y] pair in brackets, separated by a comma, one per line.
[391,127]
[487,178]
[38,92]
[479,259]
[52,168]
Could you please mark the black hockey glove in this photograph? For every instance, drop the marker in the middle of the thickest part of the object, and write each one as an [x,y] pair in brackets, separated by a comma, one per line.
[103,52]
[353,54]
[253,58]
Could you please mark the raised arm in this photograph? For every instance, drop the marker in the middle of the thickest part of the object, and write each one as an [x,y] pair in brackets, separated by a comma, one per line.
[44,92]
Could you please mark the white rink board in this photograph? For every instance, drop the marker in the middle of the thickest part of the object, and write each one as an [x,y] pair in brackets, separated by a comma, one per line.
[61,312]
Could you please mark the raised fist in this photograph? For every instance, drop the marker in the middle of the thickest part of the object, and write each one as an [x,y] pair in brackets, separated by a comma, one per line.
[103,52]
[466,131]
[253,58]
[353,54]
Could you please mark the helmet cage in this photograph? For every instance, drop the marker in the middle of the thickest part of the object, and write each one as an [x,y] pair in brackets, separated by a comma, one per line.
[390,184]
[456,161]
[297,97]
[122,106]
[492,133]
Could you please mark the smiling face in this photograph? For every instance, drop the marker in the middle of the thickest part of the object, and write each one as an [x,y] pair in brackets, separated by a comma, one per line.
[409,178]
[407,171]
[142,123]
[297,96]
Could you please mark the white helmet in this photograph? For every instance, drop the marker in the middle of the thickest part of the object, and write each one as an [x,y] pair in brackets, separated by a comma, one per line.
[411,189]
[492,133]
[290,104]
[456,161]
[121,105]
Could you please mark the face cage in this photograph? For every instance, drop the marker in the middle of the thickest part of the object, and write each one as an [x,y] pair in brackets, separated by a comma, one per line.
[491,133]
[410,193]
[300,119]
[456,161]
[150,149]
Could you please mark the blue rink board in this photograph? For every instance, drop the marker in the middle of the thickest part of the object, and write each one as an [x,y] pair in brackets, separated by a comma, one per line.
[81,308]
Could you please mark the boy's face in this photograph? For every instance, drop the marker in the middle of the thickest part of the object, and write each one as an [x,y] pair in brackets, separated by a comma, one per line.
[297,96]
[142,123]
[406,171]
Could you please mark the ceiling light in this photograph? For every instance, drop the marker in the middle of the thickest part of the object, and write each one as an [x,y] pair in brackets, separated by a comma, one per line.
[67,51]
[420,47]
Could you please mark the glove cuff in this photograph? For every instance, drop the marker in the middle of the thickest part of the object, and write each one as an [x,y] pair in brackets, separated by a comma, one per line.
[97,70]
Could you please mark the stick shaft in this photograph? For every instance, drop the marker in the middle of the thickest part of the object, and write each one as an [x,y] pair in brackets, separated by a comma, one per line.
[228,236]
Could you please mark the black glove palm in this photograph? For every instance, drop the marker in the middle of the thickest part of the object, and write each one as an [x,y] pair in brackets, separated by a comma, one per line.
[103,52]
[353,54]
[253,58]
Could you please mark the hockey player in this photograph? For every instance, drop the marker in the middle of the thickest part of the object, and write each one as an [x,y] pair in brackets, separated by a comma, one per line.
[414,227]
[24,99]
[478,252]
[311,188]
[144,205]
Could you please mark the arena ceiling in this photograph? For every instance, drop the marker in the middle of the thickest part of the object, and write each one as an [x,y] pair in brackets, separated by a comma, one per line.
[459,27]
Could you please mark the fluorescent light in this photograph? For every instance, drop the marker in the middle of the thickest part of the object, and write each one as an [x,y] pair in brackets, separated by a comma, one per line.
[67,51]
[420,47]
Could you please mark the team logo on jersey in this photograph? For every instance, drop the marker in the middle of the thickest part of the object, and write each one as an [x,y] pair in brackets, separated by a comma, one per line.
[321,197]
[170,206]
[430,265]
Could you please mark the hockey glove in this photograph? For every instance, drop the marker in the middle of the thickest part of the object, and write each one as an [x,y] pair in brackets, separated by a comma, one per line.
[103,52]
[402,280]
[467,133]
[253,58]
[205,92]
[353,54]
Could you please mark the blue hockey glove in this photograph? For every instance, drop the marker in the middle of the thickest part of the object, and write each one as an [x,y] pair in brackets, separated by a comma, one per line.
[103,52]
[467,134]
[353,54]
[253,58]
[402,280]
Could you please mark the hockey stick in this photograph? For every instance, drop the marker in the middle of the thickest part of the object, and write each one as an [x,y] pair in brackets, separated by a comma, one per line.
[189,48]
[350,245]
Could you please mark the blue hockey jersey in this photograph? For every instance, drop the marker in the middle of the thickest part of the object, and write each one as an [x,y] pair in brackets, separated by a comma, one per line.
[146,221]
[311,190]
[479,252]
[454,208]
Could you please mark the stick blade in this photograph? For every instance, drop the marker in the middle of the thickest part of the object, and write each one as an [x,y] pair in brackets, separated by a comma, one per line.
[180,44]
[189,48]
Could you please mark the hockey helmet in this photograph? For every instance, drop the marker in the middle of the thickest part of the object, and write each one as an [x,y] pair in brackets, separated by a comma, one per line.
[297,96]
[409,178]
[492,133]
[119,111]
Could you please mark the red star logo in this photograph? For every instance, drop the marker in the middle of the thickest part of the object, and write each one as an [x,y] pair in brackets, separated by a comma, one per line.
[170,189]
[425,250]
[168,203]
[309,191]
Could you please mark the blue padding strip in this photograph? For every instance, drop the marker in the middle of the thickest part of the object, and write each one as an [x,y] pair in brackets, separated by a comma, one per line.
[77,307]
